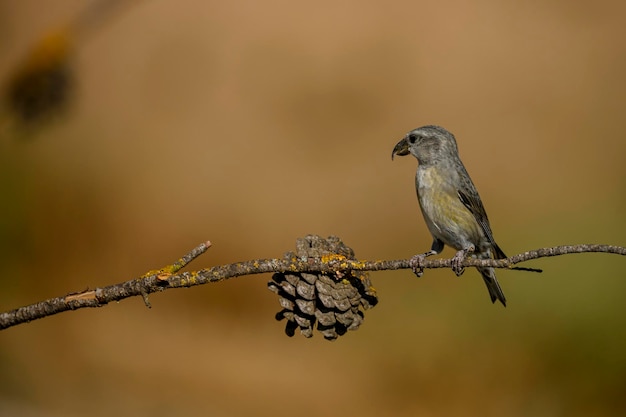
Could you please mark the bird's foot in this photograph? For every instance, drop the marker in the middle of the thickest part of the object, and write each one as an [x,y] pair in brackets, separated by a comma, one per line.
[417,263]
[457,260]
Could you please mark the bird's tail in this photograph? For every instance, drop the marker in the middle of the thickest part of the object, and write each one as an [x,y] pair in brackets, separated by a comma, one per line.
[495,292]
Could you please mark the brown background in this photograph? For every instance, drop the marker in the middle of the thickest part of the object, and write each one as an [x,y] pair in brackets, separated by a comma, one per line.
[254,123]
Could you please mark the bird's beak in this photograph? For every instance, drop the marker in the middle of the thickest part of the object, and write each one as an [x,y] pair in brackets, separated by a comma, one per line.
[401,148]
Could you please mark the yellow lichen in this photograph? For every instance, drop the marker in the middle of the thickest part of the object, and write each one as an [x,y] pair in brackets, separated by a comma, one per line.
[193,278]
[152,273]
[333,257]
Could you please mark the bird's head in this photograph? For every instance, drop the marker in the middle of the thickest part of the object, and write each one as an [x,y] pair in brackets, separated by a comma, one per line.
[428,144]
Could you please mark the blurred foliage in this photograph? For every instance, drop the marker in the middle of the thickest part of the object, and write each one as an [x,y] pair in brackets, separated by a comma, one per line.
[251,124]
[41,85]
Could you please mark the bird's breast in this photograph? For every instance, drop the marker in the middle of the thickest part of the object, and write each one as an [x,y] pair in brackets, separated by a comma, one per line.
[444,213]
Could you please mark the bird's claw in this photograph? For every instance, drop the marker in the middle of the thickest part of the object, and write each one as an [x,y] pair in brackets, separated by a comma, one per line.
[416,264]
[457,260]
[457,263]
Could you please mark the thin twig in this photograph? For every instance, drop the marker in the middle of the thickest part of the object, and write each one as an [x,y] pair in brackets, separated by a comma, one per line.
[195,252]
[167,277]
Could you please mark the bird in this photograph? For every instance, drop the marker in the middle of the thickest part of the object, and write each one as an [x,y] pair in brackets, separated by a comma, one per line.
[450,204]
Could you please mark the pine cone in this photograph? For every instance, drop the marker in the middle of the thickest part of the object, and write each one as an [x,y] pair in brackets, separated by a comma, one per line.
[334,301]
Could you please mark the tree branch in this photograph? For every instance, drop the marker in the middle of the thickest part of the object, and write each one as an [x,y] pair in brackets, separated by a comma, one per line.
[168,277]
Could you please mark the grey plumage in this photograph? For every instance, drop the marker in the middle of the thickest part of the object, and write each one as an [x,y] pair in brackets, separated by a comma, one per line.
[450,204]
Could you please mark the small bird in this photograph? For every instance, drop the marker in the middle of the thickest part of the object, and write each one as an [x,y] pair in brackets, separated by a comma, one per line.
[450,204]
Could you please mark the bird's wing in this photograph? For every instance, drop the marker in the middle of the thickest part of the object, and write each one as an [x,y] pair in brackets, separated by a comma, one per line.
[470,199]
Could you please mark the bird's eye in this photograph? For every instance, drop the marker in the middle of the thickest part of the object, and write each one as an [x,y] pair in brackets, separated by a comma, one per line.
[412,138]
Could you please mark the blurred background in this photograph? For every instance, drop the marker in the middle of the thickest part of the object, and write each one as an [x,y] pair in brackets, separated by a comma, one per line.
[251,124]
